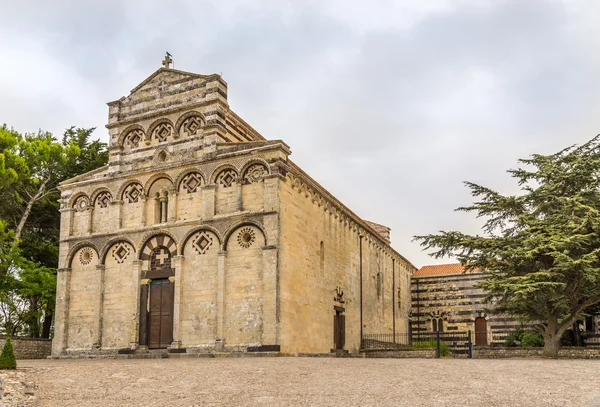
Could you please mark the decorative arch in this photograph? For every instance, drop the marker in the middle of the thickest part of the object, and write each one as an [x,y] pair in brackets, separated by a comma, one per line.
[75,197]
[111,243]
[232,229]
[76,248]
[160,129]
[131,192]
[190,122]
[254,171]
[156,239]
[99,197]
[225,175]
[191,182]
[184,173]
[126,132]
[193,232]
[155,178]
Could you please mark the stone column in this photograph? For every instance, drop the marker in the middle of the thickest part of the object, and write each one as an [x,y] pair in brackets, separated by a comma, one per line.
[136,267]
[178,280]
[61,313]
[269,286]
[239,206]
[90,225]
[221,300]
[163,208]
[208,201]
[144,204]
[101,270]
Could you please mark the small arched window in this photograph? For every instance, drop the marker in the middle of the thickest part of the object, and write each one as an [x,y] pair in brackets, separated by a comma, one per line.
[322,258]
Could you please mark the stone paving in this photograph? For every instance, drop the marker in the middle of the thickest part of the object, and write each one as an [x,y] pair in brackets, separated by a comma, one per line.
[288,381]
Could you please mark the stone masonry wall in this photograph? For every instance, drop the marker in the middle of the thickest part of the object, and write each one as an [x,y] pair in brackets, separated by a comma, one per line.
[488,352]
[29,348]
[457,302]
[319,252]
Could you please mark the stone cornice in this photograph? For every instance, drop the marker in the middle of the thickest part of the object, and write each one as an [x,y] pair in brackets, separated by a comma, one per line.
[164,112]
[161,227]
[262,146]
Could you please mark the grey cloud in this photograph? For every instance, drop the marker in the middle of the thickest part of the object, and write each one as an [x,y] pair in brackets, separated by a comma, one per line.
[391,112]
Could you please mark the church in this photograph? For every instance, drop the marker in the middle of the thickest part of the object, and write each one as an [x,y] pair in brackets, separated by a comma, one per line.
[202,236]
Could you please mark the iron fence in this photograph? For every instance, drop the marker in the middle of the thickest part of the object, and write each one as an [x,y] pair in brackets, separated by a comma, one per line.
[453,344]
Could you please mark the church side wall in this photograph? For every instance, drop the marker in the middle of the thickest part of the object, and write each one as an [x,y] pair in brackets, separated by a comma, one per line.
[310,272]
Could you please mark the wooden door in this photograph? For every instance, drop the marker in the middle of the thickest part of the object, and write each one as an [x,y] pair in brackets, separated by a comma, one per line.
[480,331]
[339,330]
[160,324]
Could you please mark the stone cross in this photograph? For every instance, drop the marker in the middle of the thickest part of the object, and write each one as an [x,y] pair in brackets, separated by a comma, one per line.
[167,61]
[162,256]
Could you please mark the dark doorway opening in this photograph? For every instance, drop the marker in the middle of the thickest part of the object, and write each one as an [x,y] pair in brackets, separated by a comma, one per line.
[339,329]
[160,315]
[480,331]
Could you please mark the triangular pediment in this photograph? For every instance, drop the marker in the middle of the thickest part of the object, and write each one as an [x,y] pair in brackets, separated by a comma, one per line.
[163,75]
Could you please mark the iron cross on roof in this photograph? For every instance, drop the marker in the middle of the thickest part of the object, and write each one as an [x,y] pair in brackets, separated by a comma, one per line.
[167,61]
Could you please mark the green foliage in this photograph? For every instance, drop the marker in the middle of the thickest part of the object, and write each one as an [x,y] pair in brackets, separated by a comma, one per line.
[7,358]
[539,250]
[532,339]
[31,167]
[432,344]
[514,338]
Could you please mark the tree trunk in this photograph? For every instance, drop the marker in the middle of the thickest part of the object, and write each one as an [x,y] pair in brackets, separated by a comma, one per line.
[577,334]
[47,325]
[551,346]
[23,220]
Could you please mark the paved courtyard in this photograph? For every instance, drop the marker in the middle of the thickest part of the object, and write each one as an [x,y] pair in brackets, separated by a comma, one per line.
[315,382]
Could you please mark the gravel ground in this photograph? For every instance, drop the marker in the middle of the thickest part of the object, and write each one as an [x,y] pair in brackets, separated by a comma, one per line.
[315,382]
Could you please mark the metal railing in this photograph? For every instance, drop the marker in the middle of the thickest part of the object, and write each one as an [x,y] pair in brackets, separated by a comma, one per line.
[453,344]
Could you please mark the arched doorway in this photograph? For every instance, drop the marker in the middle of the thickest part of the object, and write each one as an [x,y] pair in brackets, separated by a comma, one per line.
[480,331]
[157,295]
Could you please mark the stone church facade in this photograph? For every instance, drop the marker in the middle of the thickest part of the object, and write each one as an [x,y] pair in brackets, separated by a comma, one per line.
[200,235]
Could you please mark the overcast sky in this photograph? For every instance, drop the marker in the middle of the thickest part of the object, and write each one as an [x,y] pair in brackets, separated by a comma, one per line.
[390,105]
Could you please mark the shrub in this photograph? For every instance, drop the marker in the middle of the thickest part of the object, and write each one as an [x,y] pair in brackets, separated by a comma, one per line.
[532,339]
[7,358]
[568,338]
[514,338]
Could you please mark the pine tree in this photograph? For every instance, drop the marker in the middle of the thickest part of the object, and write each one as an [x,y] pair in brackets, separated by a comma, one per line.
[7,358]
[540,250]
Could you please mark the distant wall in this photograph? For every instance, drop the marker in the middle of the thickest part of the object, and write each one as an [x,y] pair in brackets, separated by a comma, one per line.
[399,354]
[29,348]
[564,353]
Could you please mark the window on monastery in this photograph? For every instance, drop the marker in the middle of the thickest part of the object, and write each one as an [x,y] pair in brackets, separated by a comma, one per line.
[437,325]
[379,285]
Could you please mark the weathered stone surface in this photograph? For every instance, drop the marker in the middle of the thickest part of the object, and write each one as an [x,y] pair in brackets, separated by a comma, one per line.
[253,248]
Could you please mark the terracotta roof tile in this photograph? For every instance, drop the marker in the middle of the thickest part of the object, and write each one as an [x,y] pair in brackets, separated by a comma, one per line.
[439,269]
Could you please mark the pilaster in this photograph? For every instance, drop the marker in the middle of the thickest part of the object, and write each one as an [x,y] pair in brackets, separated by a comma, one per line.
[178,280]
[101,271]
[221,296]
[269,285]
[61,313]
[136,268]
